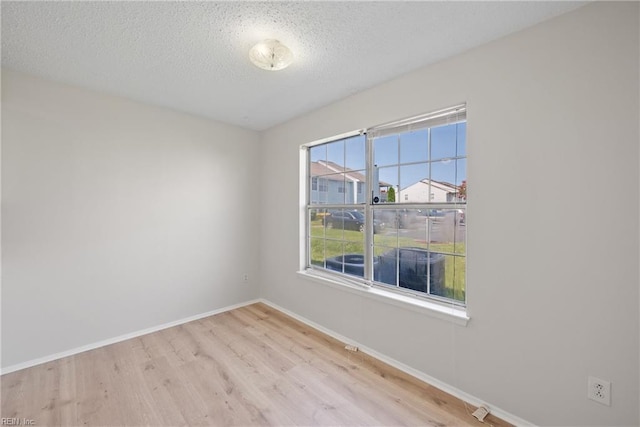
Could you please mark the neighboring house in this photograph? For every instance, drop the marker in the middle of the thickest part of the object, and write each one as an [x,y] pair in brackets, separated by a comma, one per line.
[335,184]
[432,191]
[332,183]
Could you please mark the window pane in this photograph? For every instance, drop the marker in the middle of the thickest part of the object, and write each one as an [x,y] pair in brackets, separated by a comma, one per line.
[333,248]
[453,284]
[447,231]
[388,184]
[318,153]
[448,141]
[319,190]
[335,153]
[414,183]
[355,152]
[414,146]
[419,269]
[350,262]
[349,188]
[316,249]
[344,244]
[319,186]
[446,178]
[316,236]
[385,267]
[461,140]
[351,222]
[316,224]
[361,188]
[400,228]
[385,253]
[333,187]
[319,168]
[412,268]
[461,171]
[385,227]
[386,150]
[314,196]
[356,186]
[416,250]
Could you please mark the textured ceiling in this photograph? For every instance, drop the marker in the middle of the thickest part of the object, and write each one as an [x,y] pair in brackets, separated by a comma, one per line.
[193,56]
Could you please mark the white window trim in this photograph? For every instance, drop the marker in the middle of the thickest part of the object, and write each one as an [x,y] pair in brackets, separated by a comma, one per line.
[452,313]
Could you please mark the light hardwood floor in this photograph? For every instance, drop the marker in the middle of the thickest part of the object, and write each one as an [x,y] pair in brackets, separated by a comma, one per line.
[250,366]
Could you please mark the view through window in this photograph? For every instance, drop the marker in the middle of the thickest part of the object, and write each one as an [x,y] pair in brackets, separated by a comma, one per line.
[388,206]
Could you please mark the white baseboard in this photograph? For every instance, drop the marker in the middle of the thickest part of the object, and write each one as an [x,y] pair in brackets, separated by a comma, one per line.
[120,338]
[472,400]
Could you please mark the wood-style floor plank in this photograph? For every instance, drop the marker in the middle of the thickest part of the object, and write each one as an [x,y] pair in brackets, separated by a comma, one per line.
[250,366]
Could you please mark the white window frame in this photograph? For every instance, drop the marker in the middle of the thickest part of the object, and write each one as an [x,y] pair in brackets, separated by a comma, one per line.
[413,299]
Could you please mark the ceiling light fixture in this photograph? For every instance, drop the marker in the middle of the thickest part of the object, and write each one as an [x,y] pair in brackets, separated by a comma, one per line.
[271,55]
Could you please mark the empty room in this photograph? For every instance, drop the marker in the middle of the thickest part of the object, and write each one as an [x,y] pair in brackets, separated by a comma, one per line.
[320,213]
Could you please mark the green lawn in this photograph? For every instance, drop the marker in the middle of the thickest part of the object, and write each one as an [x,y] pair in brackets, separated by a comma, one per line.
[333,242]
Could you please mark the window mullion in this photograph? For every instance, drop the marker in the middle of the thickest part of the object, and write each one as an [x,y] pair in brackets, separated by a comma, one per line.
[429,192]
[371,186]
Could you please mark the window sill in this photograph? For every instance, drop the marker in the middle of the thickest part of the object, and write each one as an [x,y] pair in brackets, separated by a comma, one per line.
[451,314]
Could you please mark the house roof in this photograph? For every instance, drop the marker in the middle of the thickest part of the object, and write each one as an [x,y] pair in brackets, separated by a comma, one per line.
[319,169]
[330,168]
[442,185]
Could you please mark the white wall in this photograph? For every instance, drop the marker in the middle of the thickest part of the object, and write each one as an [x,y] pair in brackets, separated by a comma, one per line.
[553,286]
[117,217]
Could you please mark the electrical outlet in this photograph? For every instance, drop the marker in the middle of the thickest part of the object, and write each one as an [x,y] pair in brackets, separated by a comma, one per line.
[245,277]
[599,390]
[481,413]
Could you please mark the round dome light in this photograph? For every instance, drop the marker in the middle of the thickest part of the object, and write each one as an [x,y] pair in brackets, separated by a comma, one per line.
[271,55]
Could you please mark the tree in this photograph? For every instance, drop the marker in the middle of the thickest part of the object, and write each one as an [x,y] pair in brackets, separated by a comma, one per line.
[391,195]
[462,190]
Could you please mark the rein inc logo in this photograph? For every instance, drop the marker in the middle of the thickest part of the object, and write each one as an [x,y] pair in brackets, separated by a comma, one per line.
[17,422]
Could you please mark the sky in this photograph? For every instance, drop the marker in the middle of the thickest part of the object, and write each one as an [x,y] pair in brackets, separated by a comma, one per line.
[391,153]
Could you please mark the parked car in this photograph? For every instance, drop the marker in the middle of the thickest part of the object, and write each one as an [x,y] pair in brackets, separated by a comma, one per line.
[431,213]
[461,217]
[406,217]
[455,215]
[400,218]
[350,220]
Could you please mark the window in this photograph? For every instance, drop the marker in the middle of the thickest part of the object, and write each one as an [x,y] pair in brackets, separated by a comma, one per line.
[404,228]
